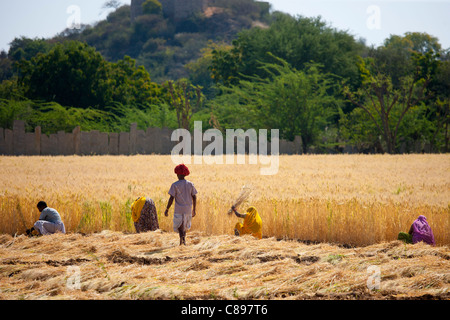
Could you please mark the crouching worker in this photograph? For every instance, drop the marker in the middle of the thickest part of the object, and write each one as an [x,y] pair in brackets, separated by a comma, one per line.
[143,212]
[49,221]
[420,231]
[252,223]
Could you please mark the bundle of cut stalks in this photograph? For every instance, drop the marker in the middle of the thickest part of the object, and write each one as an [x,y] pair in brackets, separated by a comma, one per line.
[244,195]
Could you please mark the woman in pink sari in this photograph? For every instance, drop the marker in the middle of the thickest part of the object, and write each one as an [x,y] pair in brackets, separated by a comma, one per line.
[420,231]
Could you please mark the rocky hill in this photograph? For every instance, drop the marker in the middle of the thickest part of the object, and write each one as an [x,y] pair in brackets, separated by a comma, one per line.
[165,40]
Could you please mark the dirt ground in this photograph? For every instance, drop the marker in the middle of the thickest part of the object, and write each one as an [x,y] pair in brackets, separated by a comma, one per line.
[120,266]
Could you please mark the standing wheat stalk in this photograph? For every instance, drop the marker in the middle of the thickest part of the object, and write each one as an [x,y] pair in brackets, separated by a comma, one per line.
[22,219]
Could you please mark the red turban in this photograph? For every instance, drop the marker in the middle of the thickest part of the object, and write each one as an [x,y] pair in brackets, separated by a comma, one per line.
[182,170]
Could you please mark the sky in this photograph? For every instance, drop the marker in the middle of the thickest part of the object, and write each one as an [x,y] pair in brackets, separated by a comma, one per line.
[372,20]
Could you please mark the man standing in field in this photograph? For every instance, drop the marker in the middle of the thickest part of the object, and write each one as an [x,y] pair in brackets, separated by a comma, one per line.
[184,194]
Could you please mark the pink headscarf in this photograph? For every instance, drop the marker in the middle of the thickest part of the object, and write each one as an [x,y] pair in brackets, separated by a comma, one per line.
[422,231]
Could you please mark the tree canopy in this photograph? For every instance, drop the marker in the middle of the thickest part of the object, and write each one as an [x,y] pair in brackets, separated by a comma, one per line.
[238,64]
[76,75]
[314,41]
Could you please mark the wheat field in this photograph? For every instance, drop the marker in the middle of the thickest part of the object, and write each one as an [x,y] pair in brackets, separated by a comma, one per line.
[347,199]
[326,220]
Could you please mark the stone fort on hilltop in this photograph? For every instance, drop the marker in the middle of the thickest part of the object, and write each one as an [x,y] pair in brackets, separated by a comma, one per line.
[175,9]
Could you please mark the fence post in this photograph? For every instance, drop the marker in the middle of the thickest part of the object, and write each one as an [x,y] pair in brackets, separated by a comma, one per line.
[2,142]
[19,137]
[37,140]
[113,146]
[124,143]
[133,138]
[77,140]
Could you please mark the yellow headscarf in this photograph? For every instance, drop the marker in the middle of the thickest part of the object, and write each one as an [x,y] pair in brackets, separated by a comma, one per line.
[252,224]
[136,208]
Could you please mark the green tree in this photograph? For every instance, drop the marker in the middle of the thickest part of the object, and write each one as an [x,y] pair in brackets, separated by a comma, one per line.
[24,48]
[297,40]
[185,98]
[76,75]
[296,102]
[11,89]
[387,105]
[394,58]
[398,60]
[225,65]
[438,112]
[200,69]
[152,7]
[52,117]
[72,74]
[6,66]
[132,85]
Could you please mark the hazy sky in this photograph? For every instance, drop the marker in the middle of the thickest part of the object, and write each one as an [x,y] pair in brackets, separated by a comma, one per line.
[369,19]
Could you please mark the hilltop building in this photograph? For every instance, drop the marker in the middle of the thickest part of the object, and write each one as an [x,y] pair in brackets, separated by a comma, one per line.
[174,9]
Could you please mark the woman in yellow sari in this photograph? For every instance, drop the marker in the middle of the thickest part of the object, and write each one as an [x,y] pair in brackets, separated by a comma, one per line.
[252,223]
[145,217]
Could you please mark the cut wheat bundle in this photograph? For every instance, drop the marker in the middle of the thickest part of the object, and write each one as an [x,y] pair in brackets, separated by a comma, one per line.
[243,196]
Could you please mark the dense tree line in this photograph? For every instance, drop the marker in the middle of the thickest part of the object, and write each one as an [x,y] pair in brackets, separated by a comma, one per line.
[394,98]
[244,67]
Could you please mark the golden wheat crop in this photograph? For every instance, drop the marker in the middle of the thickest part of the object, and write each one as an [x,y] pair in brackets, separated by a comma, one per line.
[352,199]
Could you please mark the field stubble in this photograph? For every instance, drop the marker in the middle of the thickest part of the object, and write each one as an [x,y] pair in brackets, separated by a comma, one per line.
[114,265]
